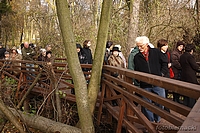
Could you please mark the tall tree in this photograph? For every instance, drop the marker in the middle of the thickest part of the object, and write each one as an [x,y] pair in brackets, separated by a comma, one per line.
[4,9]
[84,113]
[94,84]
[133,30]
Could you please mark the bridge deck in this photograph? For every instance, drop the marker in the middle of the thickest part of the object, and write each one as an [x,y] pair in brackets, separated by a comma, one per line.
[122,91]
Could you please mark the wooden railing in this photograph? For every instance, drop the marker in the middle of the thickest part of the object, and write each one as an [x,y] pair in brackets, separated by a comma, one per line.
[122,91]
[130,116]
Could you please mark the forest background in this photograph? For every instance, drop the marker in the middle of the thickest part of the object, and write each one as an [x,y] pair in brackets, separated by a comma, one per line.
[36,21]
[47,22]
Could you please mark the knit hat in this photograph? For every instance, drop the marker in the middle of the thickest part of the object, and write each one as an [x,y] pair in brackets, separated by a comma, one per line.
[6,52]
[180,43]
[14,48]
[78,46]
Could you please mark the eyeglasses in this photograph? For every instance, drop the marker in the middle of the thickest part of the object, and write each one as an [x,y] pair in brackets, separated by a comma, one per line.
[141,45]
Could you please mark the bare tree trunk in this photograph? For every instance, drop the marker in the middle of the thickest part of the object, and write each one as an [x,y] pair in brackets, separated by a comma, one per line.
[99,53]
[133,29]
[80,85]
[43,124]
[11,117]
[29,90]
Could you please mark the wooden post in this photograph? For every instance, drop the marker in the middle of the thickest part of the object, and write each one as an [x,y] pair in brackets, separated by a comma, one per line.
[121,116]
[101,104]
[19,85]
[129,110]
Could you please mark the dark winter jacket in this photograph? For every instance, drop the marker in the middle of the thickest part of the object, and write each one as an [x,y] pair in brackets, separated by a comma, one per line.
[2,51]
[176,66]
[156,64]
[28,53]
[189,68]
[88,53]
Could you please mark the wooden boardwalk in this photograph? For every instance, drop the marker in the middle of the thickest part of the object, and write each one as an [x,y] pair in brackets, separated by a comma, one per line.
[125,110]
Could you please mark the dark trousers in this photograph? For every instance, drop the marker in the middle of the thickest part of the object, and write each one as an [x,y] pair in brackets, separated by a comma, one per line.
[187,101]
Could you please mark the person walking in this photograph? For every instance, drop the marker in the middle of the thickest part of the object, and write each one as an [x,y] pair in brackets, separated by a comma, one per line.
[115,60]
[2,51]
[109,46]
[86,49]
[162,45]
[150,60]
[82,59]
[189,69]
[176,66]
[121,54]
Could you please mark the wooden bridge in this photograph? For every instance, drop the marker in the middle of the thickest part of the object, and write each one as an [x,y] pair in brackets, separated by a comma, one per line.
[128,114]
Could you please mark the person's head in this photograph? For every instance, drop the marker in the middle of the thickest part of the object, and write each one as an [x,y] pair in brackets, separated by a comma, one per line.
[190,48]
[180,45]
[48,47]
[26,44]
[48,54]
[162,44]
[109,44]
[7,55]
[14,50]
[1,45]
[86,43]
[78,47]
[22,45]
[115,51]
[142,42]
[43,51]
[119,46]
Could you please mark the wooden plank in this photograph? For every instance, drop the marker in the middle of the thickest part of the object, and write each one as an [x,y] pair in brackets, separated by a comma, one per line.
[184,88]
[101,104]
[192,122]
[141,117]
[183,110]
[164,114]
[115,112]
[121,115]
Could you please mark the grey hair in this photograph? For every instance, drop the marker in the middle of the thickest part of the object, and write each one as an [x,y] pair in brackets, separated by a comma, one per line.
[142,39]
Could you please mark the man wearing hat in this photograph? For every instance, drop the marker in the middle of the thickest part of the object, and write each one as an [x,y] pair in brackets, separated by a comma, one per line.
[2,51]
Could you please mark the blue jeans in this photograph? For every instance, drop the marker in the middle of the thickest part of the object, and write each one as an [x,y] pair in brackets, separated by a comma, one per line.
[150,115]
[30,69]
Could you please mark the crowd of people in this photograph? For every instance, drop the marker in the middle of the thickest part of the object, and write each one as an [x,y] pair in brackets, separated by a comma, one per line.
[26,51]
[178,64]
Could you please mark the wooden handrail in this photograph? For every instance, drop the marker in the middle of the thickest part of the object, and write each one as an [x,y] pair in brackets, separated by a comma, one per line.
[127,112]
